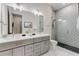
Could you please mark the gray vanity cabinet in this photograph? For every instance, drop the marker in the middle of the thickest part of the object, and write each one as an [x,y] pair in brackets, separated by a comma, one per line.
[37,49]
[29,50]
[19,51]
[27,47]
[6,53]
[44,46]
[41,45]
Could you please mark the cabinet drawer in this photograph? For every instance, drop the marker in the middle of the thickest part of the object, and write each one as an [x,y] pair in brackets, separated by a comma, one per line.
[45,38]
[41,38]
[24,42]
[37,39]
[8,45]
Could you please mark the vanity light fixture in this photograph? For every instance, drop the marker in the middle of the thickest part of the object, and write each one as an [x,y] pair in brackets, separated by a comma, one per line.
[14,6]
[59,19]
[18,6]
[62,20]
[21,8]
[40,13]
[36,12]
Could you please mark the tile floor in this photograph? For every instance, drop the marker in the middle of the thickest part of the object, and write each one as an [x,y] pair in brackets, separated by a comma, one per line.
[59,51]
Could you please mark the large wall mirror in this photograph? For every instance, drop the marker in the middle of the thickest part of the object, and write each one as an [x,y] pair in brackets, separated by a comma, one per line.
[15,21]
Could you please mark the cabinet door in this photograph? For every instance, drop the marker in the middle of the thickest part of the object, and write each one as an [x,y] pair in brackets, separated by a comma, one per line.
[29,50]
[44,46]
[6,53]
[18,51]
[37,49]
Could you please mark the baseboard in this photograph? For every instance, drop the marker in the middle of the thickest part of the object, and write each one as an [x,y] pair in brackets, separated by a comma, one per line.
[74,49]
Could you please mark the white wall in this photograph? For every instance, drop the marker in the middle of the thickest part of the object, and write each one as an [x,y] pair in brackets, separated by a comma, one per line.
[67,32]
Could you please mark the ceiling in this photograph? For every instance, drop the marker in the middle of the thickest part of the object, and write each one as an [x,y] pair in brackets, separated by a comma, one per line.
[57,6]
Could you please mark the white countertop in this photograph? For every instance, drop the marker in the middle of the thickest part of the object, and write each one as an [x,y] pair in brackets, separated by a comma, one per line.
[18,37]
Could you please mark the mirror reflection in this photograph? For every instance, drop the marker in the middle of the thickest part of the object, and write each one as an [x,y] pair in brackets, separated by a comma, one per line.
[19,20]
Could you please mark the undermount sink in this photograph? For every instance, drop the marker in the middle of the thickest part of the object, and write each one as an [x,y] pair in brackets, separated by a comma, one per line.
[28,34]
[23,34]
[33,34]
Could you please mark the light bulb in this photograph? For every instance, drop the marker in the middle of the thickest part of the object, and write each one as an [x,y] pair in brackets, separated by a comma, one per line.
[21,8]
[40,13]
[59,19]
[35,12]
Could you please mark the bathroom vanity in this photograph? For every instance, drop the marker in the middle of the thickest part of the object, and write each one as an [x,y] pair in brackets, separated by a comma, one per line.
[31,45]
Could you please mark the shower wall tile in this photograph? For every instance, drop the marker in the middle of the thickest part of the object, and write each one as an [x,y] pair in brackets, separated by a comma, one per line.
[67,32]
